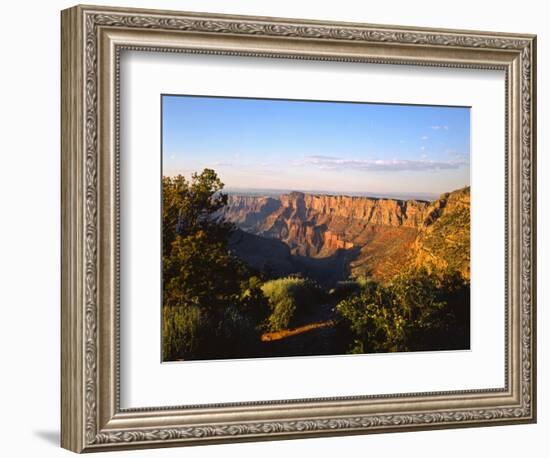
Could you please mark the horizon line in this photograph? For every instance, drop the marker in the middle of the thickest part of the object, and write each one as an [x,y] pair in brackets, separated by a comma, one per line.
[262,192]
[389,195]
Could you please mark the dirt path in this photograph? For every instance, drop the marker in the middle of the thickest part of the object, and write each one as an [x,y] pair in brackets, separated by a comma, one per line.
[284,333]
[320,335]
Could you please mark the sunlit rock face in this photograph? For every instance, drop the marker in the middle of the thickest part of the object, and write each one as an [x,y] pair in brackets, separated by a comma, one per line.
[380,235]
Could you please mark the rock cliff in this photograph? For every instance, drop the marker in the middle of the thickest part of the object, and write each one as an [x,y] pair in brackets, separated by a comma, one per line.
[375,237]
[444,238]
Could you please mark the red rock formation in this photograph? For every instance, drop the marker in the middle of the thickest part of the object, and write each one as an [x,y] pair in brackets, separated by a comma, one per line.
[319,225]
[332,241]
[386,234]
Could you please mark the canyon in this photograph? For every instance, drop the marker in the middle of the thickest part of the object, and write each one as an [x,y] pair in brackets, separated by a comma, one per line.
[333,237]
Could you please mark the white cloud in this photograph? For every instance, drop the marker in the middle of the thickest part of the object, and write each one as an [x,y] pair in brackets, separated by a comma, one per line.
[380,165]
[424,137]
[439,127]
[422,148]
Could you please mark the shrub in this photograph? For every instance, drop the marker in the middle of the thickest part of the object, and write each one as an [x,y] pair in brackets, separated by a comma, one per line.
[253,303]
[290,300]
[193,331]
[416,310]
[349,288]
[181,329]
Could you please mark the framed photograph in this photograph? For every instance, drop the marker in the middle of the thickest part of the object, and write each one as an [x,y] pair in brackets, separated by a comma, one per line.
[277,228]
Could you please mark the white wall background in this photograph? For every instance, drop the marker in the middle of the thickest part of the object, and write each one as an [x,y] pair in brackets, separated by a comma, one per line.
[29,226]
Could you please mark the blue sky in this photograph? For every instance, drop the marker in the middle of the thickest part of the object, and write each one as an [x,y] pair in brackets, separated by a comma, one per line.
[330,146]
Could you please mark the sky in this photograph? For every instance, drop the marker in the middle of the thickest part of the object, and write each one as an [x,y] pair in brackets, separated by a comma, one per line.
[336,147]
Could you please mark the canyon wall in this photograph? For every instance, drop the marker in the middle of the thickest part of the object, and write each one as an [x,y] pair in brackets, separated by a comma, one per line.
[314,225]
[444,238]
[375,236]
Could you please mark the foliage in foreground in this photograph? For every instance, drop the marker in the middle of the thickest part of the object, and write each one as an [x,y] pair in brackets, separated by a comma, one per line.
[416,310]
[212,305]
[348,288]
[291,300]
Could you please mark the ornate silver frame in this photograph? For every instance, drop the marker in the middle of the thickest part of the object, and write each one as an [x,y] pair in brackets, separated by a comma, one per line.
[92,38]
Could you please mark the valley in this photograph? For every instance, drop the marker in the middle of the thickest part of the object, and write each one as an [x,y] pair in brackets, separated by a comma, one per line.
[330,238]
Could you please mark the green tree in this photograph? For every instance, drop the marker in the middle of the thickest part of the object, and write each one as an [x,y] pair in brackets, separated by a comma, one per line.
[188,206]
[206,290]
